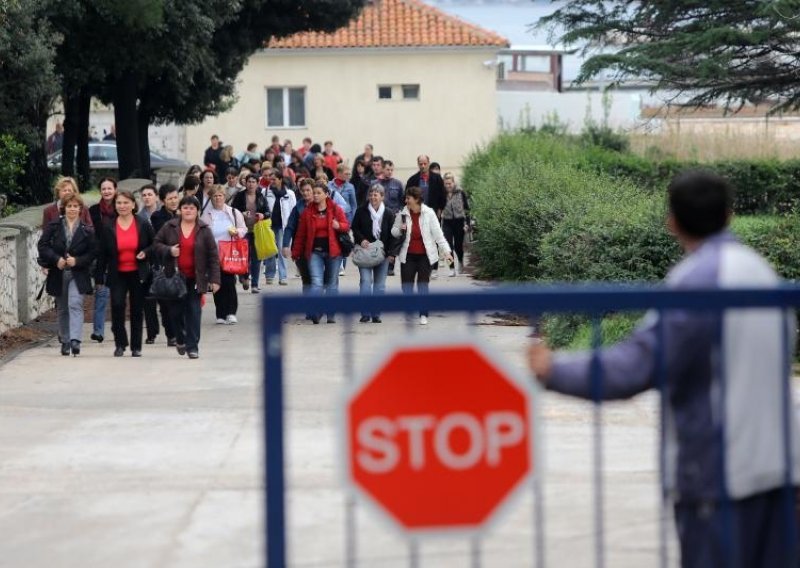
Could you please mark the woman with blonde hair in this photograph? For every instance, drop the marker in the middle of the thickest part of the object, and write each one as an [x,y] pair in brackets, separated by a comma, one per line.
[454,220]
[64,187]
[226,224]
[67,249]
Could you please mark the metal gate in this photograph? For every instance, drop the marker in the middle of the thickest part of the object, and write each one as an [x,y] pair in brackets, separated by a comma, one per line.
[531,301]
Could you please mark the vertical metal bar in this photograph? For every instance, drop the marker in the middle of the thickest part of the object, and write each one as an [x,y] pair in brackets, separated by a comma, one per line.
[537,478]
[720,373]
[661,382]
[475,552]
[351,543]
[272,345]
[790,521]
[413,553]
[475,542]
[597,396]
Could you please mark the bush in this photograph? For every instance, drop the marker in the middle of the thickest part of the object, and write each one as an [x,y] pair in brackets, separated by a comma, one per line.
[12,165]
[776,238]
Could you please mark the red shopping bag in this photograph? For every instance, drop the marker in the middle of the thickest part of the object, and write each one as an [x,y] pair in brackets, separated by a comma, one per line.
[233,256]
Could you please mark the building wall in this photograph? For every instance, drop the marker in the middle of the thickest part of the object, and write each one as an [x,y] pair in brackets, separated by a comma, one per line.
[455,111]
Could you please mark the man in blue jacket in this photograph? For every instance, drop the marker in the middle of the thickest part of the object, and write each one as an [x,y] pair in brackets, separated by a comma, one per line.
[726,463]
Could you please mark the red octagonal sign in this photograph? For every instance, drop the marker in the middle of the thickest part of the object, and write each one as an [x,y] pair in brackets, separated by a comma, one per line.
[439,437]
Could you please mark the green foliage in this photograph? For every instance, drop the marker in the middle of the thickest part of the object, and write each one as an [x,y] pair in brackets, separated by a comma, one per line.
[13,156]
[776,238]
[717,51]
[613,329]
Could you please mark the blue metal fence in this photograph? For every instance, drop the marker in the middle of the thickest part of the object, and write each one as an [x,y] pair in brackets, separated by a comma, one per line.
[526,300]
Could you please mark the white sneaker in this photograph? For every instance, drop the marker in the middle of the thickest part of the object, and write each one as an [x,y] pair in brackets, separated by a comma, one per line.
[231,319]
[341,272]
[434,274]
[423,320]
[452,272]
[221,321]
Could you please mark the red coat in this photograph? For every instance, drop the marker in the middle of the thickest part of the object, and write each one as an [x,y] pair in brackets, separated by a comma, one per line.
[303,243]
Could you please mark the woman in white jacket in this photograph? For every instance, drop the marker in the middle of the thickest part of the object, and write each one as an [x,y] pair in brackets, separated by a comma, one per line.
[422,236]
[226,224]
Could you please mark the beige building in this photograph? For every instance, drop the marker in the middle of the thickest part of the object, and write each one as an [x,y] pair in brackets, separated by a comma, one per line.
[403,76]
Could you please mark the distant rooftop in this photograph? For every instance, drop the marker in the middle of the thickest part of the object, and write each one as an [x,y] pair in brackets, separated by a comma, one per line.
[397,23]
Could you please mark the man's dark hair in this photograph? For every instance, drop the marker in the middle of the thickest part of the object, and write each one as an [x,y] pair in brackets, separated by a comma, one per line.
[165,190]
[700,201]
[231,172]
[149,186]
[251,176]
[377,159]
[388,163]
[316,149]
[435,166]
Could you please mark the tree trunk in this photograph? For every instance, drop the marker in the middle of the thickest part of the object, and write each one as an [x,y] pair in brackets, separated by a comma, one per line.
[71,125]
[82,150]
[125,118]
[143,125]
[37,176]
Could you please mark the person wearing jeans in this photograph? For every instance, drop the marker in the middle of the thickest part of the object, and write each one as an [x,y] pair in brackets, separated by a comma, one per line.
[418,227]
[187,244]
[372,222]
[317,240]
[102,213]
[67,248]
[253,205]
[280,203]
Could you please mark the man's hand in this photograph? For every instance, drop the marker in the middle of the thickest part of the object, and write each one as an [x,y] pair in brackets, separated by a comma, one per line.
[214,288]
[70,261]
[287,252]
[540,360]
[61,263]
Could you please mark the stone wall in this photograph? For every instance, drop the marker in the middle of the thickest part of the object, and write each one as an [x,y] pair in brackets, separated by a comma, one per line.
[21,277]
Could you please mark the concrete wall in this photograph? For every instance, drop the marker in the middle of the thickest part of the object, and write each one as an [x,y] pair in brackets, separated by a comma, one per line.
[20,275]
[455,111]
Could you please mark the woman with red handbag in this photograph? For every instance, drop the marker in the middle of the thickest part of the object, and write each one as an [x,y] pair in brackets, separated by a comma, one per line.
[228,227]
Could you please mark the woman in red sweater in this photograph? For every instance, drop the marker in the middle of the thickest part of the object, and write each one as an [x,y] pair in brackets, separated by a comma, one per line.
[123,266]
[317,241]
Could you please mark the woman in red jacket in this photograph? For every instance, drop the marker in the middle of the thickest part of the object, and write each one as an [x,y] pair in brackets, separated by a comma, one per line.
[317,241]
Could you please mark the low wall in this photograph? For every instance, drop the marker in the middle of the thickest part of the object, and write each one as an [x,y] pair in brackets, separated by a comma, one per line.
[20,276]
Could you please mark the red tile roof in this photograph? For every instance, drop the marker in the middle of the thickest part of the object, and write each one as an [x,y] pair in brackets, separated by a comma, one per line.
[396,23]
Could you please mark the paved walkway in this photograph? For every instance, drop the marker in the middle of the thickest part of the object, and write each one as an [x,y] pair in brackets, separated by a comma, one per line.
[156,462]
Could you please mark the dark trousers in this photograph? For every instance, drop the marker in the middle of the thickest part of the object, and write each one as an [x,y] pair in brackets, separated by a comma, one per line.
[756,532]
[166,319]
[453,230]
[127,290]
[305,274]
[151,317]
[226,301]
[254,264]
[416,267]
[186,314]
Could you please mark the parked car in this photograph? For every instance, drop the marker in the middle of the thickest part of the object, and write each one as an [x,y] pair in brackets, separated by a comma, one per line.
[103,156]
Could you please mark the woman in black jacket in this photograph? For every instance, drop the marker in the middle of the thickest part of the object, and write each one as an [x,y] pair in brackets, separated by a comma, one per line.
[66,249]
[123,265]
[253,205]
[374,222]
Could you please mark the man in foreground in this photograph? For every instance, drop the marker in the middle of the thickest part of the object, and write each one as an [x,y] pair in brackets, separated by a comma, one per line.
[726,464]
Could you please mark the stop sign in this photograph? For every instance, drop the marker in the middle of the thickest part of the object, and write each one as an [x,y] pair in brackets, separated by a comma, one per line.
[439,436]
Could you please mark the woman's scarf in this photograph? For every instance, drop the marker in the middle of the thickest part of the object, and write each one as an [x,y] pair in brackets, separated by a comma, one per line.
[377,217]
[107,209]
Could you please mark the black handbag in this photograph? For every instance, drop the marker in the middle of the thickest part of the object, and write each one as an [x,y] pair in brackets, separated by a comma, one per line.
[163,287]
[346,243]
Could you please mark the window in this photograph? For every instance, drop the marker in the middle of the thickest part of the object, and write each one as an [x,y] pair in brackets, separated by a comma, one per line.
[286,107]
[408,92]
[384,91]
[411,91]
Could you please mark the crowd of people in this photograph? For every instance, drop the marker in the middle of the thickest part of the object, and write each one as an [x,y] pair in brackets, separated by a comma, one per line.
[160,254]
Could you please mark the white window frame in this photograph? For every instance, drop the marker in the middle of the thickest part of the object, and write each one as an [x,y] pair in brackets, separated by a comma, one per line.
[285,91]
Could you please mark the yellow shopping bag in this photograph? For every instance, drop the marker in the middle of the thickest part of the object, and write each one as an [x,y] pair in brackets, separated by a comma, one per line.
[265,239]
